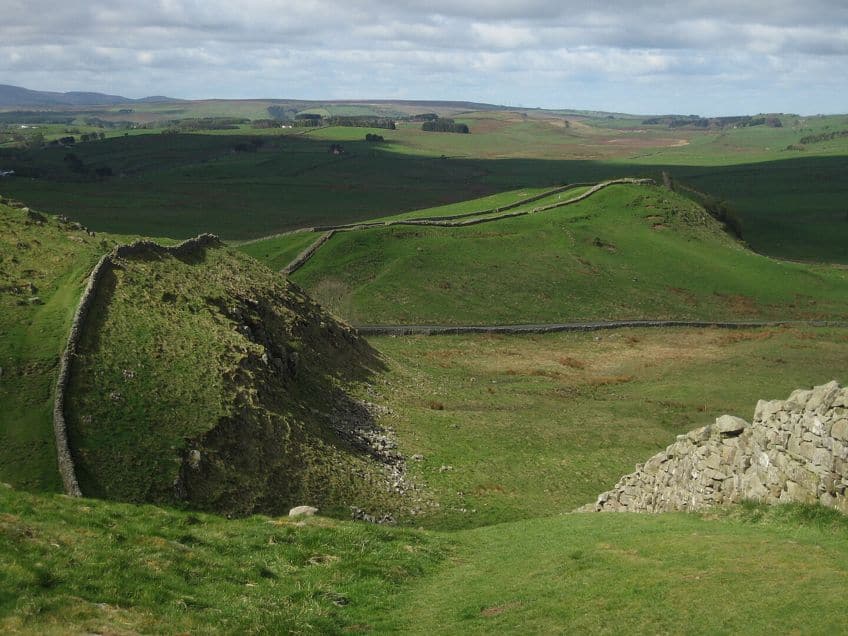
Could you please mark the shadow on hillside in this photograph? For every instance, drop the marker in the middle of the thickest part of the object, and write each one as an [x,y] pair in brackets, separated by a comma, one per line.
[200,183]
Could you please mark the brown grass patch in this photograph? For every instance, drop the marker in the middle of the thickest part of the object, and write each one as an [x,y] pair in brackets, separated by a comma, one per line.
[746,336]
[574,363]
[495,610]
[739,303]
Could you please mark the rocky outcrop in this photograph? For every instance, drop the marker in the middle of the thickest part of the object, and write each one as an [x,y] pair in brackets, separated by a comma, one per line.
[795,450]
[60,427]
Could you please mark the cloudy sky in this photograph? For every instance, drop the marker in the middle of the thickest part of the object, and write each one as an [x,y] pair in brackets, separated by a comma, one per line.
[685,56]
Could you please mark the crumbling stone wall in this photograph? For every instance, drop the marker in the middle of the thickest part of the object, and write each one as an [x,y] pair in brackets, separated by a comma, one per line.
[60,428]
[795,450]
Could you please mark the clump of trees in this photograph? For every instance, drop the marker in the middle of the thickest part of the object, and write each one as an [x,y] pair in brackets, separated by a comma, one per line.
[826,136]
[361,122]
[264,123]
[208,123]
[424,117]
[444,125]
[92,136]
[373,137]
[695,121]
[251,145]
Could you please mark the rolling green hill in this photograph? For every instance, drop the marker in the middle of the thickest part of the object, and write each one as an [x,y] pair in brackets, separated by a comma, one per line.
[205,379]
[626,252]
[98,567]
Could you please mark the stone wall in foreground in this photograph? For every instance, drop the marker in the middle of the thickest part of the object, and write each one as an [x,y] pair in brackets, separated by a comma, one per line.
[795,450]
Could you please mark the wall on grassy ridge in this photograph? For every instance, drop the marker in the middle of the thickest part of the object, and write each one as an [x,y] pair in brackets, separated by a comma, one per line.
[64,456]
[306,254]
[508,215]
[795,450]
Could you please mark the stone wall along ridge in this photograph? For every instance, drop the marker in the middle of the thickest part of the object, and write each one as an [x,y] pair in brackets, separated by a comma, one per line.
[795,450]
[60,428]
[456,220]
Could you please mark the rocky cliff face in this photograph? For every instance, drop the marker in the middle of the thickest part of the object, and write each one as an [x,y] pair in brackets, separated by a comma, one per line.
[795,450]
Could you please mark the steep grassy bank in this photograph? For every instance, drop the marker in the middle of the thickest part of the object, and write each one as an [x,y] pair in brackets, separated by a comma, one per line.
[206,379]
[625,252]
[44,263]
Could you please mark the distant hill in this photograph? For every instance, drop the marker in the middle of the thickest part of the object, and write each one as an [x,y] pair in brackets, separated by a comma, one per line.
[17,96]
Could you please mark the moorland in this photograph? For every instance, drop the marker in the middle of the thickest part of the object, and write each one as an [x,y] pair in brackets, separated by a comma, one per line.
[210,392]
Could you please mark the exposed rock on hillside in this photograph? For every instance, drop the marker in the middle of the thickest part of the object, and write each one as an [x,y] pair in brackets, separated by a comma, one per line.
[794,451]
[204,378]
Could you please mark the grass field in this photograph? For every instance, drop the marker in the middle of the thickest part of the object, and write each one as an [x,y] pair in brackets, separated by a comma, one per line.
[538,425]
[502,436]
[527,428]
[626,252]
[791,200]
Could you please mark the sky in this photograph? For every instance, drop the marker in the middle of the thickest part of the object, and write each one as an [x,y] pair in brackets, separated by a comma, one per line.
[715,57]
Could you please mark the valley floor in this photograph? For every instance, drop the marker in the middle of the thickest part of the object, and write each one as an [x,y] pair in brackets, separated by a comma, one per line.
[513,432]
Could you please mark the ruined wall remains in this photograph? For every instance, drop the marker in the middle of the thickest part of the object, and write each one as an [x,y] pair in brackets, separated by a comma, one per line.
[60,428]
[795,450]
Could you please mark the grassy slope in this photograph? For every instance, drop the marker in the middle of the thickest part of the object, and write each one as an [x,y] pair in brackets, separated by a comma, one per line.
[49,262]
[87,566]
[538,425]
[626,252]
[98,567]
[278,251]
[174,363]
[778,571]
[530,426]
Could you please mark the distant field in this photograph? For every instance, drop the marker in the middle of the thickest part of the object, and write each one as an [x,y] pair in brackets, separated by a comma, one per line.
[626,252]
[789,194]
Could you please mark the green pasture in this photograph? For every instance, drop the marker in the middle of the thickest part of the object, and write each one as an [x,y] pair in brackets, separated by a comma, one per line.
[627,252]
[790,200]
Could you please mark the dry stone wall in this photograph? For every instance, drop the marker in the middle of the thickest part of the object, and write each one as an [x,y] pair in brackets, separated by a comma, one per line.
[60,428]
[795,450]
[306,254]
[451,221]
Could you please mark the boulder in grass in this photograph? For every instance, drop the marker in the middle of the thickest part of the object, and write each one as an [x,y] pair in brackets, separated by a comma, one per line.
[302,511]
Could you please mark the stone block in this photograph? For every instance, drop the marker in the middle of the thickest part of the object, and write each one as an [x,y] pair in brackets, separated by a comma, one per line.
[823,396]
[839,430]
[729,425]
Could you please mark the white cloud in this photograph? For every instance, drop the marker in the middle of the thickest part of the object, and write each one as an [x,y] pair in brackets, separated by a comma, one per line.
[501,51]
